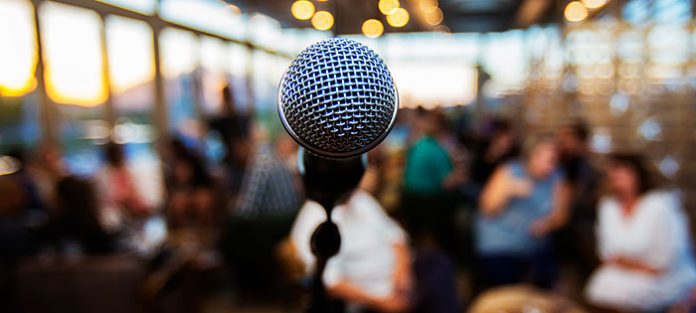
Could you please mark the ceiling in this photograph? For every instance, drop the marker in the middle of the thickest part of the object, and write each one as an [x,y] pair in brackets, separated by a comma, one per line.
[459,15]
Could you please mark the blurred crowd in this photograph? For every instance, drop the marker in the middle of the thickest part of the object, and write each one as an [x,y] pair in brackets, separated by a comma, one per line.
[449,210]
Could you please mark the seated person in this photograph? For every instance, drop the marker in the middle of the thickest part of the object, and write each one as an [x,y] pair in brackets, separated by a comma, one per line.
[521,206]
[372,268]
[643,243]
[76,218]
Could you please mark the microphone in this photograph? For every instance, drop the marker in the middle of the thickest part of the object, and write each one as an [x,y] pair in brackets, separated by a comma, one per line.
[338,101]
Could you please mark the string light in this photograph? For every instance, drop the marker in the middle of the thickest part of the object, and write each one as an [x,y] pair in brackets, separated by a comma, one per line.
[388,6]
[322,20]
[428,5]
[575,12]
[434,17]
[302,10]
[594,4]
[372,28]
[399,18]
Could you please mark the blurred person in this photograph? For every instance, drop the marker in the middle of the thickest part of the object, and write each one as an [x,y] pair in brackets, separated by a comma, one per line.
[15,239]
[643,242]
[77,218]
[427,181]
[269,187]
[119,193]
[522,204]
[576,240]
[493,152]
[191,190]
[375,271]
[270,195]
[286,151]
[231,124]
[47,168]
[26,179]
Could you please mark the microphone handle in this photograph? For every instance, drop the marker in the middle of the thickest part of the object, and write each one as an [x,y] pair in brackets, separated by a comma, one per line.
[325,243]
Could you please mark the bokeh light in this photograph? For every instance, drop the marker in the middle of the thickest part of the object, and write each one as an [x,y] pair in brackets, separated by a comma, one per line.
[435,17]
[399,18]
[302,10]
[372,28]
[388,6]
[322,20]
[594,4]
[428,5]
[575,12]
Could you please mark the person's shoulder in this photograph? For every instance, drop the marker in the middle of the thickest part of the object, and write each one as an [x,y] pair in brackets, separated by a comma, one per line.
[362,198]
[311,208]
[660,200]
[607,205]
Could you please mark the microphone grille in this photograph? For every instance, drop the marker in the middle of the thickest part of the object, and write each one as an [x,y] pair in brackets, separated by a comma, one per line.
[338,99]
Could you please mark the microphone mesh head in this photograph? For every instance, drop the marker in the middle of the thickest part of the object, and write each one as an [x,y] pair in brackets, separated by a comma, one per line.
[338,98]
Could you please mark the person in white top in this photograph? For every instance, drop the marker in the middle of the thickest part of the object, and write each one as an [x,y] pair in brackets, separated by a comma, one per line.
[643,243]
[372,268]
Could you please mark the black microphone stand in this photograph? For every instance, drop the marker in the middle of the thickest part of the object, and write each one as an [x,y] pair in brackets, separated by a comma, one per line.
[327,181]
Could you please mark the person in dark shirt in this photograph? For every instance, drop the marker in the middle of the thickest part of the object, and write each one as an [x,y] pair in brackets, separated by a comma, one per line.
[576,241]
[501,147]
[77,218]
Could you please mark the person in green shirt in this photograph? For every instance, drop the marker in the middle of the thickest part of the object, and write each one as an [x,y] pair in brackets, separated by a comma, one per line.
[426,205]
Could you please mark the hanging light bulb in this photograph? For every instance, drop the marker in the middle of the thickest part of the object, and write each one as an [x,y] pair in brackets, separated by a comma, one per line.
[302,10]
[399,18]
[372,28]
[322,20]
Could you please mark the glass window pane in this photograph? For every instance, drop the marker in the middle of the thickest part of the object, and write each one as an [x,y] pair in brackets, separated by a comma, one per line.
[238,74]
[74,79]
[179,55]
[209,15]
[214,73]
[132,71]
[17,64]
[18,98]
[72,54]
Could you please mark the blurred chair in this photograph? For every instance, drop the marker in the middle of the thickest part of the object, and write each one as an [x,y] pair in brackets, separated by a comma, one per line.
[88,284]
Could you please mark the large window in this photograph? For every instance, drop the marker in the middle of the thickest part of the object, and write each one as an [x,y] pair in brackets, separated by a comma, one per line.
[75,81]
[18,99]
[132,71]
[179,57]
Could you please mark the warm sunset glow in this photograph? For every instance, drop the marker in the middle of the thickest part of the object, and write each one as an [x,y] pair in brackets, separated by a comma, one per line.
[18,63]
[131,55]
[72,55]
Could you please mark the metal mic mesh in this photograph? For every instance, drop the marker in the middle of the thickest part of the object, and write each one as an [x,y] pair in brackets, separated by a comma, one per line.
[338,99]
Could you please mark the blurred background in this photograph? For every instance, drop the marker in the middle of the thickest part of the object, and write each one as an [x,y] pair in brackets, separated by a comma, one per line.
[143,166]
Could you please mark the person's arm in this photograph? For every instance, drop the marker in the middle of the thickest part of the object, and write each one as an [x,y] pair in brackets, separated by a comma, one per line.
[500,188]
[403,278]
[634,265]
[559,213]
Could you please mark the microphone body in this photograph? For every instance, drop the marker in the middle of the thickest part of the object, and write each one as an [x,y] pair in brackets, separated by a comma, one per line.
[338,101]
